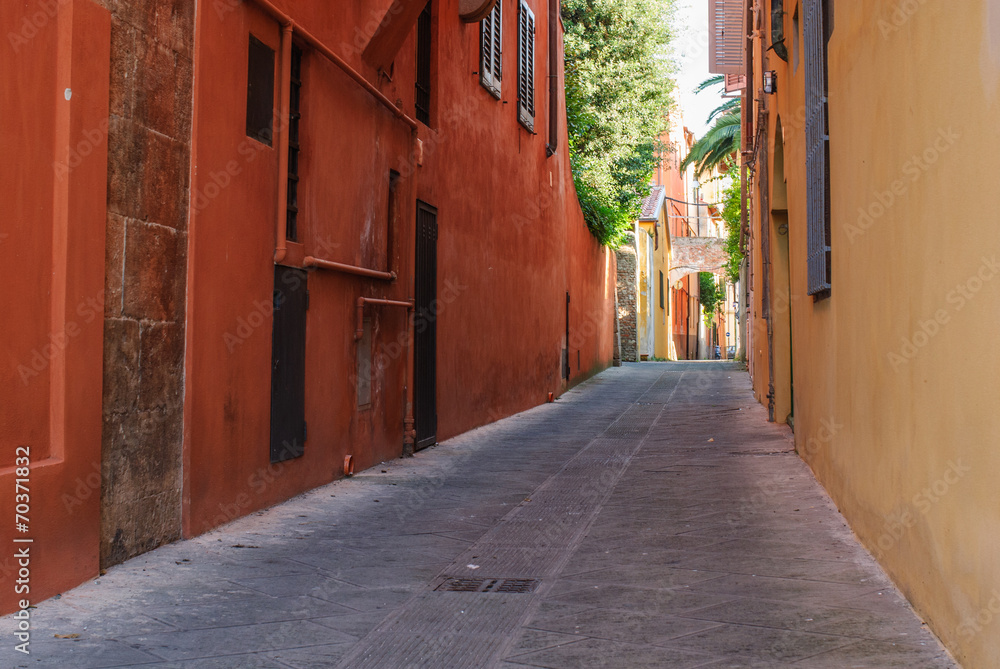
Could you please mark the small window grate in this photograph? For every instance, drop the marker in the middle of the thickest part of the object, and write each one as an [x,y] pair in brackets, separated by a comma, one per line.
[502,585]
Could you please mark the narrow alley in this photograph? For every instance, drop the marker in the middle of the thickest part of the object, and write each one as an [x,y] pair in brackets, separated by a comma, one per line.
[650,517]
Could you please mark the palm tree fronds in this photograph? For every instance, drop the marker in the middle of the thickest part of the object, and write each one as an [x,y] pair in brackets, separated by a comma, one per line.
[721,141]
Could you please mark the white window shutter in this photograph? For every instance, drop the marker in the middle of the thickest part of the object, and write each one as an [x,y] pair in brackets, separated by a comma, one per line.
[526,66]
[726,36]
[491,50]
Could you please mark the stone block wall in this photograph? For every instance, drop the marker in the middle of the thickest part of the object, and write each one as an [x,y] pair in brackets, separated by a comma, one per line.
[149,145]
[628,300]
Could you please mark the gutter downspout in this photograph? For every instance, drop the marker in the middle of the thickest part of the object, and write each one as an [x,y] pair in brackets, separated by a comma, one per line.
[553,143]
[285,19]
[281,247]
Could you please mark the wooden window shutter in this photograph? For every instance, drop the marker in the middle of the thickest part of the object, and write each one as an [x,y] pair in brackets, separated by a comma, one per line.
[491,50]
[817,150]
[526,66]
[726,36]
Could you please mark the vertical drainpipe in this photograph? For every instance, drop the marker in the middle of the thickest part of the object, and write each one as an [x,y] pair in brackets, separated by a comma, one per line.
[281,243]
[553,143]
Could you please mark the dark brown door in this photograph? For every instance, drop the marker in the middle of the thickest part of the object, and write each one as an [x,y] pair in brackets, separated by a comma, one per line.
[425,328]
[288,364]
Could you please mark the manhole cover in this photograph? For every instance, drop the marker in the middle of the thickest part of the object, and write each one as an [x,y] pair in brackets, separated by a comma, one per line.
[505,585]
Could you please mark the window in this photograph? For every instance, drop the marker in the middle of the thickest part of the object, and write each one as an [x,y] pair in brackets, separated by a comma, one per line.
[260,91]
[491,50]
[796,41]
[661,291]
[778,29]
[423,86]
[726,36]
[526,66]
[816,36]
[294,115]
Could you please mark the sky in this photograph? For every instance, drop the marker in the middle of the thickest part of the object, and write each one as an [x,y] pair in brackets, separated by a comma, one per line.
[691,56]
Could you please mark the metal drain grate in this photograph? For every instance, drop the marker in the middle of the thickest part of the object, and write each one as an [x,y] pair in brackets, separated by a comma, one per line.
[506,585]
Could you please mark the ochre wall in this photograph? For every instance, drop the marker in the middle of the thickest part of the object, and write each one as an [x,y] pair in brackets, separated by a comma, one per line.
[894,408]
[54,102]
[511,243]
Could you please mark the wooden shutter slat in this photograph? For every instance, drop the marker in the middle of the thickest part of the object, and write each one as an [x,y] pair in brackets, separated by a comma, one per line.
[491,44]
[726,38]
[526,66]
[817,150]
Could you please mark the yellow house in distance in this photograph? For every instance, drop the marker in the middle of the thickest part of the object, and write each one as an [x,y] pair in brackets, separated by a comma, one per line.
[653,259]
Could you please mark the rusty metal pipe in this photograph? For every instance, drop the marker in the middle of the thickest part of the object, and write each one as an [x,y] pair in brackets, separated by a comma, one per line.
[553,143]
[336,60]
[360,306]
[284,112]
[409,432]
[310,261]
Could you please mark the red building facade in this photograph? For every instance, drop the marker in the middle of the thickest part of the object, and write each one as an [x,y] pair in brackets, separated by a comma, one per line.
[329,237]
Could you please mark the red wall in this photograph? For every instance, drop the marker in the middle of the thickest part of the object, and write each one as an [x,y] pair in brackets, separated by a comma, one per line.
[52,266]
[511,243]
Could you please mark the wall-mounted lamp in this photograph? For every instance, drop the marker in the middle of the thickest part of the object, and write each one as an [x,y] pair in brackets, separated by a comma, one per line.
[770,82]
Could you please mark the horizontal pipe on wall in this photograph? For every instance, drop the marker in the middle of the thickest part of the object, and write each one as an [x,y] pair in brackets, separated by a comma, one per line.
[360,330]
[310,261]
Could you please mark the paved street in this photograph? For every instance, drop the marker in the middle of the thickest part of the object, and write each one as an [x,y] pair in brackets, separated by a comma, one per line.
[649,518]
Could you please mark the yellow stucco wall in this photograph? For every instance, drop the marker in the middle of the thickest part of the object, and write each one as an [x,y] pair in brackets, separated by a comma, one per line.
[896,388]
[660,263]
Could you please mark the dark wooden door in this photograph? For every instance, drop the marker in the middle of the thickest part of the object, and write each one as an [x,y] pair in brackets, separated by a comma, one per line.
[288,364]
[425,328]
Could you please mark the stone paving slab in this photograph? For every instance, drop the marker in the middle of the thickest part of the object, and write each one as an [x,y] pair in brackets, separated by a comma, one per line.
[666,523]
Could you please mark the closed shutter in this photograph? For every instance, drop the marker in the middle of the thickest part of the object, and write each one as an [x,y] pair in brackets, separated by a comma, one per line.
[726,36]
[817,150]
[526,66]
[491,50]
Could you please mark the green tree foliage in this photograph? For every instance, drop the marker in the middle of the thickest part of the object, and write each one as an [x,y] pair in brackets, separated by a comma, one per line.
[712,295]
[731,203]
[618,93]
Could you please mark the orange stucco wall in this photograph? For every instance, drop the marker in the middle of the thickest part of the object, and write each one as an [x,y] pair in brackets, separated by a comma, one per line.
[511,243]
[54,102]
